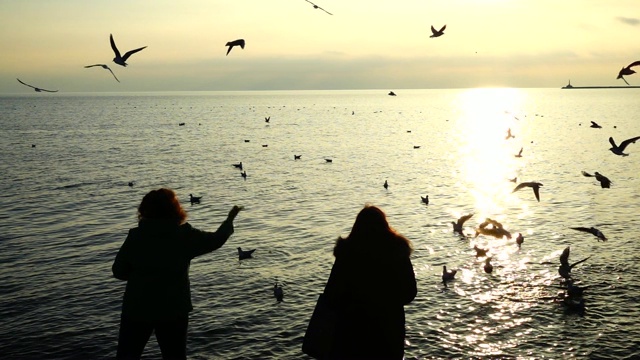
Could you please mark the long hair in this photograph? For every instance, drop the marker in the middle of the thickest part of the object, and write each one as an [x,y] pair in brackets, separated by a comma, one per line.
[371,229]
[162,204]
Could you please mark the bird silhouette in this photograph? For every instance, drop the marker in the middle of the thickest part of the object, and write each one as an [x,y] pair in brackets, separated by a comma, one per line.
[509,135]
[619,149]
[194,199]
[519,154]
[448,275]
[318,7]
[266,119]
[386,184]
[425,199]
[595,125]
[245,254]
[593,231]
[488,268]
[37,89]
[104,66]
[278,293]
[436,33]
[296,157]
[238,165]
[519,239]
[480,252]
[391,93]
[534,185]
[244,174]
[565,268]
[604,181]
[121,60]
[627,71]
[231,44]
[457,226]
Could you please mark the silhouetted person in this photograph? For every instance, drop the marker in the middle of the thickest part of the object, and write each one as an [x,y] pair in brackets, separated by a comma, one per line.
[154,260]
[371,281]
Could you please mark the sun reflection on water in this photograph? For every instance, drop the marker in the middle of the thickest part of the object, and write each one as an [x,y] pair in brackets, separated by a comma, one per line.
[485,155]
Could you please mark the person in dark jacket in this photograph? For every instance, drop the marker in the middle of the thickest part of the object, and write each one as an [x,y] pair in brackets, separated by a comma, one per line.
[154,261]
[371,281]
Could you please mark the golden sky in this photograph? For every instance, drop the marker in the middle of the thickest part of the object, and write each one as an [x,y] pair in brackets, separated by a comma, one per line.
[291,45]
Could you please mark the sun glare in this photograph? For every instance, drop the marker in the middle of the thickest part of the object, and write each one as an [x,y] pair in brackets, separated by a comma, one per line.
[486,154]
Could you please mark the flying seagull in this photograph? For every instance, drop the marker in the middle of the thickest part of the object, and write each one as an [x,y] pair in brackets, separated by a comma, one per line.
[104,66]
[595,125]
[627,71]
[457,226]
[121,60]
[591,230]
[519,154]
[436,33]
[565,268]
[37,89]
[618,150]
[318,7]
[231,44]
[534,185]
[604,181]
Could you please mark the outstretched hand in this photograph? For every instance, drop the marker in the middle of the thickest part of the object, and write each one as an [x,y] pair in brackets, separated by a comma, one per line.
[234,212]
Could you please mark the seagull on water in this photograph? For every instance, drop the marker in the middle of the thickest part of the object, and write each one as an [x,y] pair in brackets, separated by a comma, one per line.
[532,184]
[425,199]
[619,150]
[121,60]
[604,181]
[245,254]
[266,119]
[231,44]
[457,226]
[296,157]
[386,184]
[627,71]
[488,268]
[104,66]
[593,231]
[565,268]
[519,239]
[278,293]
[37,89]
[318,7]
[448,275]
[238,165]
[194,199]
[436,33]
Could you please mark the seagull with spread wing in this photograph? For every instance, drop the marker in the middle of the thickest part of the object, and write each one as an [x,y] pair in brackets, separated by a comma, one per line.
[318,7]
[104,66]
[532,184]
[627,71]
[457,226]
[604,181]
[121,60]
[565,268]
[619,149]
[436,33]
[37,89]
[593,231]
[231,44]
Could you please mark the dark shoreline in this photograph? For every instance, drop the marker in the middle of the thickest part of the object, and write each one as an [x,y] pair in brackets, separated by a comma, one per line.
[600,87]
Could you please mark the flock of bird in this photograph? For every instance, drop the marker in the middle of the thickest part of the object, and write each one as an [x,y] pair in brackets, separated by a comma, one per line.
[572,295]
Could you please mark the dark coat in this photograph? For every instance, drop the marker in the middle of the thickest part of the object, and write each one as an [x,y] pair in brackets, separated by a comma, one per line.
[154,260]
[368,288]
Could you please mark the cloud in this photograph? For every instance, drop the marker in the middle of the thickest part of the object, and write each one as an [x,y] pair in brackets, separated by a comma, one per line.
[629,21]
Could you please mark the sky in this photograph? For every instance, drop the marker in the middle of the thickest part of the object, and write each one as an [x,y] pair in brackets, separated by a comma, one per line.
[292,46]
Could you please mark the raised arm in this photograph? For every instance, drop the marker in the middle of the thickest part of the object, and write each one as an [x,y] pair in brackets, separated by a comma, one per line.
[203,242]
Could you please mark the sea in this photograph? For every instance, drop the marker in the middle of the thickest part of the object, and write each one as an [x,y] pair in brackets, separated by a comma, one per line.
[75,167]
